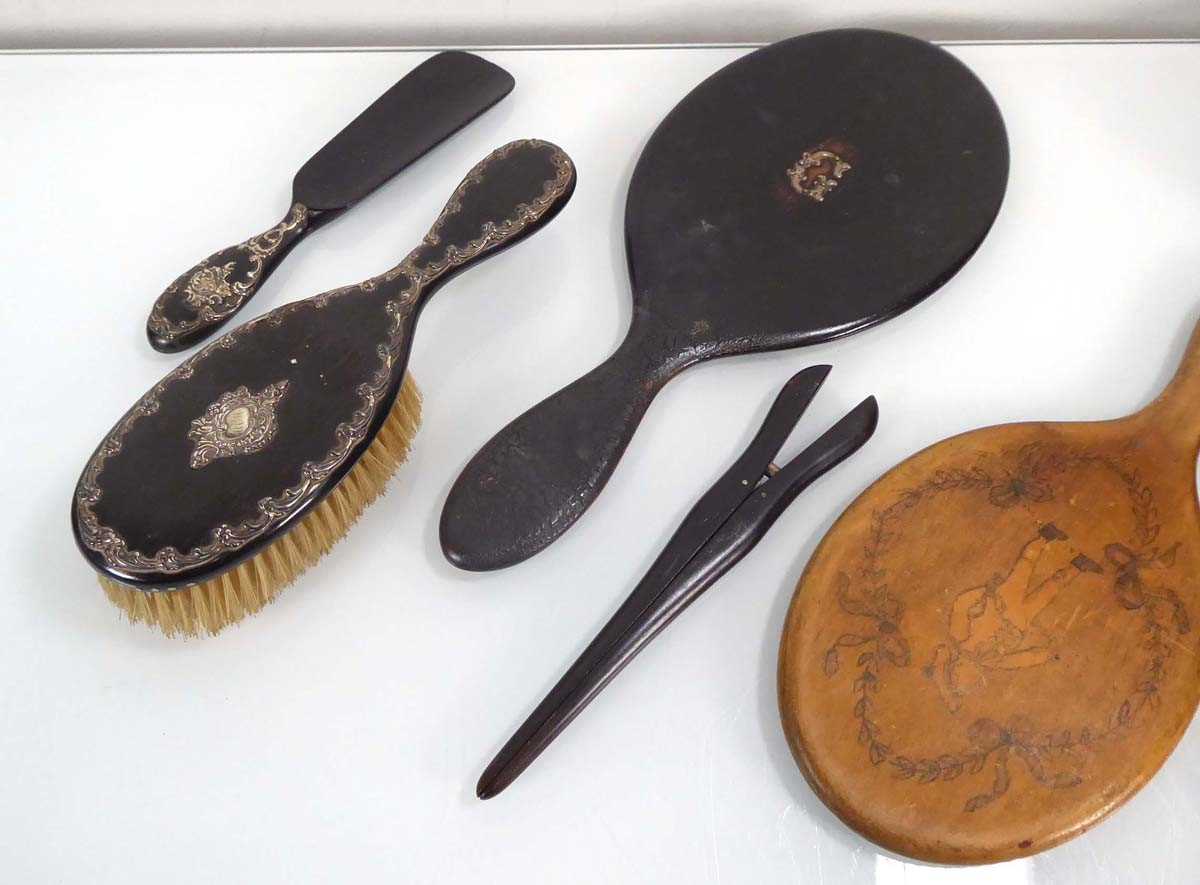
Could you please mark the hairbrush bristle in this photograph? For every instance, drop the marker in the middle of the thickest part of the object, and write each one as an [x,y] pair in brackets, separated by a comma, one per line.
[210,606]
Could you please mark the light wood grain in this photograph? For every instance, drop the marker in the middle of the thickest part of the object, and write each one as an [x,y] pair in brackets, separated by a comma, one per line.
[994,646]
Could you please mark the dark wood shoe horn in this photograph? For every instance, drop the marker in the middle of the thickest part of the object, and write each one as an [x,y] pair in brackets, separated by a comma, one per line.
[431,103]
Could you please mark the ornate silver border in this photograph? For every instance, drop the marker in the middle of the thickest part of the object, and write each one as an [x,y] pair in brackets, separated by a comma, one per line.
[260,247]
[273,511]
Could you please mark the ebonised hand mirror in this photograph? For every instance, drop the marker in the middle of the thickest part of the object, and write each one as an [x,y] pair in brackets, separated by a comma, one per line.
[811,189]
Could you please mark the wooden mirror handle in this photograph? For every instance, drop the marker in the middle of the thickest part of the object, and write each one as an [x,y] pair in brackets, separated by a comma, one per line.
[1177,409]
[533,479]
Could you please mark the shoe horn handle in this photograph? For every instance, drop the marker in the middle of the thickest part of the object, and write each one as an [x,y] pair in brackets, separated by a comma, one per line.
[204,298]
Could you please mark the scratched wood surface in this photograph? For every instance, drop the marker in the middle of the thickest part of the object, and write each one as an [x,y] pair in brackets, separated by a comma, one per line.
[995,645]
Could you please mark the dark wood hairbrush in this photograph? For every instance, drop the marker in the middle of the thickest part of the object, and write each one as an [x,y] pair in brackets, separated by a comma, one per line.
[806,191]
[246,463]
[724,525]
[427,106]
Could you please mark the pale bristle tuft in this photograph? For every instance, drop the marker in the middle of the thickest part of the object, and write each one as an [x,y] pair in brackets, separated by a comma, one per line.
[212,605]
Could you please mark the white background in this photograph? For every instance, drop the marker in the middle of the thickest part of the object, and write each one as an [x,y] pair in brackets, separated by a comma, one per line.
[337,737]
[122,23]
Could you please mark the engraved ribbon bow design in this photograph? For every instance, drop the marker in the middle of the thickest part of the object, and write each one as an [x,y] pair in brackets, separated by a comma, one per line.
[1022,486]
[1132,592]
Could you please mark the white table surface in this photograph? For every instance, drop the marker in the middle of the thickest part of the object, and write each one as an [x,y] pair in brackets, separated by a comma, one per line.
[337,737]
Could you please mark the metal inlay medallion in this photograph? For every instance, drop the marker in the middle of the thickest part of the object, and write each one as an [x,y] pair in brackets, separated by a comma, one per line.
[817,172]
[238,423]
[208,288]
